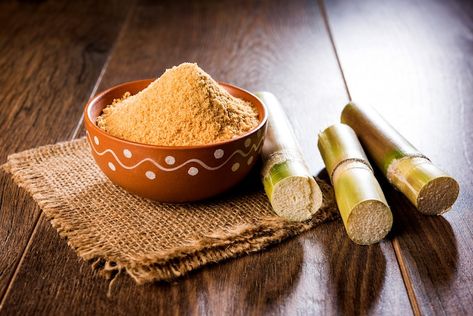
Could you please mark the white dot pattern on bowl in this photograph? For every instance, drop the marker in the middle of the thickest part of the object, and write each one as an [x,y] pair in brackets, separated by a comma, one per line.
[218,153]
[235,166]
[248,152]
[127,153]
[170,160]
[150,175]
[193,171]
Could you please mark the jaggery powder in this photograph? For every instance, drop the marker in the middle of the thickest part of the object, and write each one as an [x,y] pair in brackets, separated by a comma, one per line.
[185,106]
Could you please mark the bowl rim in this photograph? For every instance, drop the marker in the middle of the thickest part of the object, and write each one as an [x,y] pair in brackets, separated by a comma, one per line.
[94,126]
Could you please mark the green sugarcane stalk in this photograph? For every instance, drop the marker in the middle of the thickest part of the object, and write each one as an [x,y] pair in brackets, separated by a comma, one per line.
[431,190]
[360,200]
[290,187]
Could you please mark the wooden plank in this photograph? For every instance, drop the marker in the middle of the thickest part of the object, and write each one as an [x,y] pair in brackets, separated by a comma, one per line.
[276,45]
[412,60]
[50,56]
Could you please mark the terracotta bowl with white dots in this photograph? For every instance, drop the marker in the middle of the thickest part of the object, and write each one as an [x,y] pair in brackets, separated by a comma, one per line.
[172,173]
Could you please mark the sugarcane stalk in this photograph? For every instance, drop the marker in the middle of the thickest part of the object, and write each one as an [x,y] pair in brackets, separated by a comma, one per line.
[360,200]
[288,183]
[431,190]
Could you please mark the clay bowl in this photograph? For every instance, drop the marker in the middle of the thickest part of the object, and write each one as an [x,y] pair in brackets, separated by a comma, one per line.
[172,173]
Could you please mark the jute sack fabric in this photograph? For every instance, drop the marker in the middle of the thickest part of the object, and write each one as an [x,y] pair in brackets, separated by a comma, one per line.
[151,241]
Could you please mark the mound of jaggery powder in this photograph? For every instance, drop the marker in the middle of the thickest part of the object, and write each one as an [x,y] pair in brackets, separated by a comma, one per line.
[185,106]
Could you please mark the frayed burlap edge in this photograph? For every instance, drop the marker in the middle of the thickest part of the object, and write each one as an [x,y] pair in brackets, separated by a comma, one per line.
[166,265]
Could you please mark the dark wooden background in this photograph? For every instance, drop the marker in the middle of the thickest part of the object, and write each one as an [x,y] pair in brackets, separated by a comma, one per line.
[410,59]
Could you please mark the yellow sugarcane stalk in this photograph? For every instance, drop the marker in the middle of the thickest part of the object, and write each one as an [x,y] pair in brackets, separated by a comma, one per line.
[360,200]
[431,190]
[290,187]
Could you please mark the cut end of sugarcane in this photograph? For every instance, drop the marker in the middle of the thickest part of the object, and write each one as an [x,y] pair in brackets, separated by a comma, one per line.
[290,187]
[369,222]
[296,198]
[430,189]
[438,196]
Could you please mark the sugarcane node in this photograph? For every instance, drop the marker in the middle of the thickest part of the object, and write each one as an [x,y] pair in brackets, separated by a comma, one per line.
[427,187]
[348,161]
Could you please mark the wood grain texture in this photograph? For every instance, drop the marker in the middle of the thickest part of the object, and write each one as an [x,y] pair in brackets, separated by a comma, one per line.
[280,46]
[50,56]
[412,60]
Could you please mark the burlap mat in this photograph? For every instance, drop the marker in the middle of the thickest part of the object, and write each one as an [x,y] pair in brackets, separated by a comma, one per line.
[151,241]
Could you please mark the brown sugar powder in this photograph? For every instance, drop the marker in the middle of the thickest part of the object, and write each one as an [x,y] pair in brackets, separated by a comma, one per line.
[185,106]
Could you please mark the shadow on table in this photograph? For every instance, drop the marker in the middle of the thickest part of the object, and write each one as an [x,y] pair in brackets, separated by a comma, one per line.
[428,243]
[357,273]
[256,283]
[265,280]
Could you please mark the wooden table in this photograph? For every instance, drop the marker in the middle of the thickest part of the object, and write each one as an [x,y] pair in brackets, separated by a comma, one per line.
[410,59]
